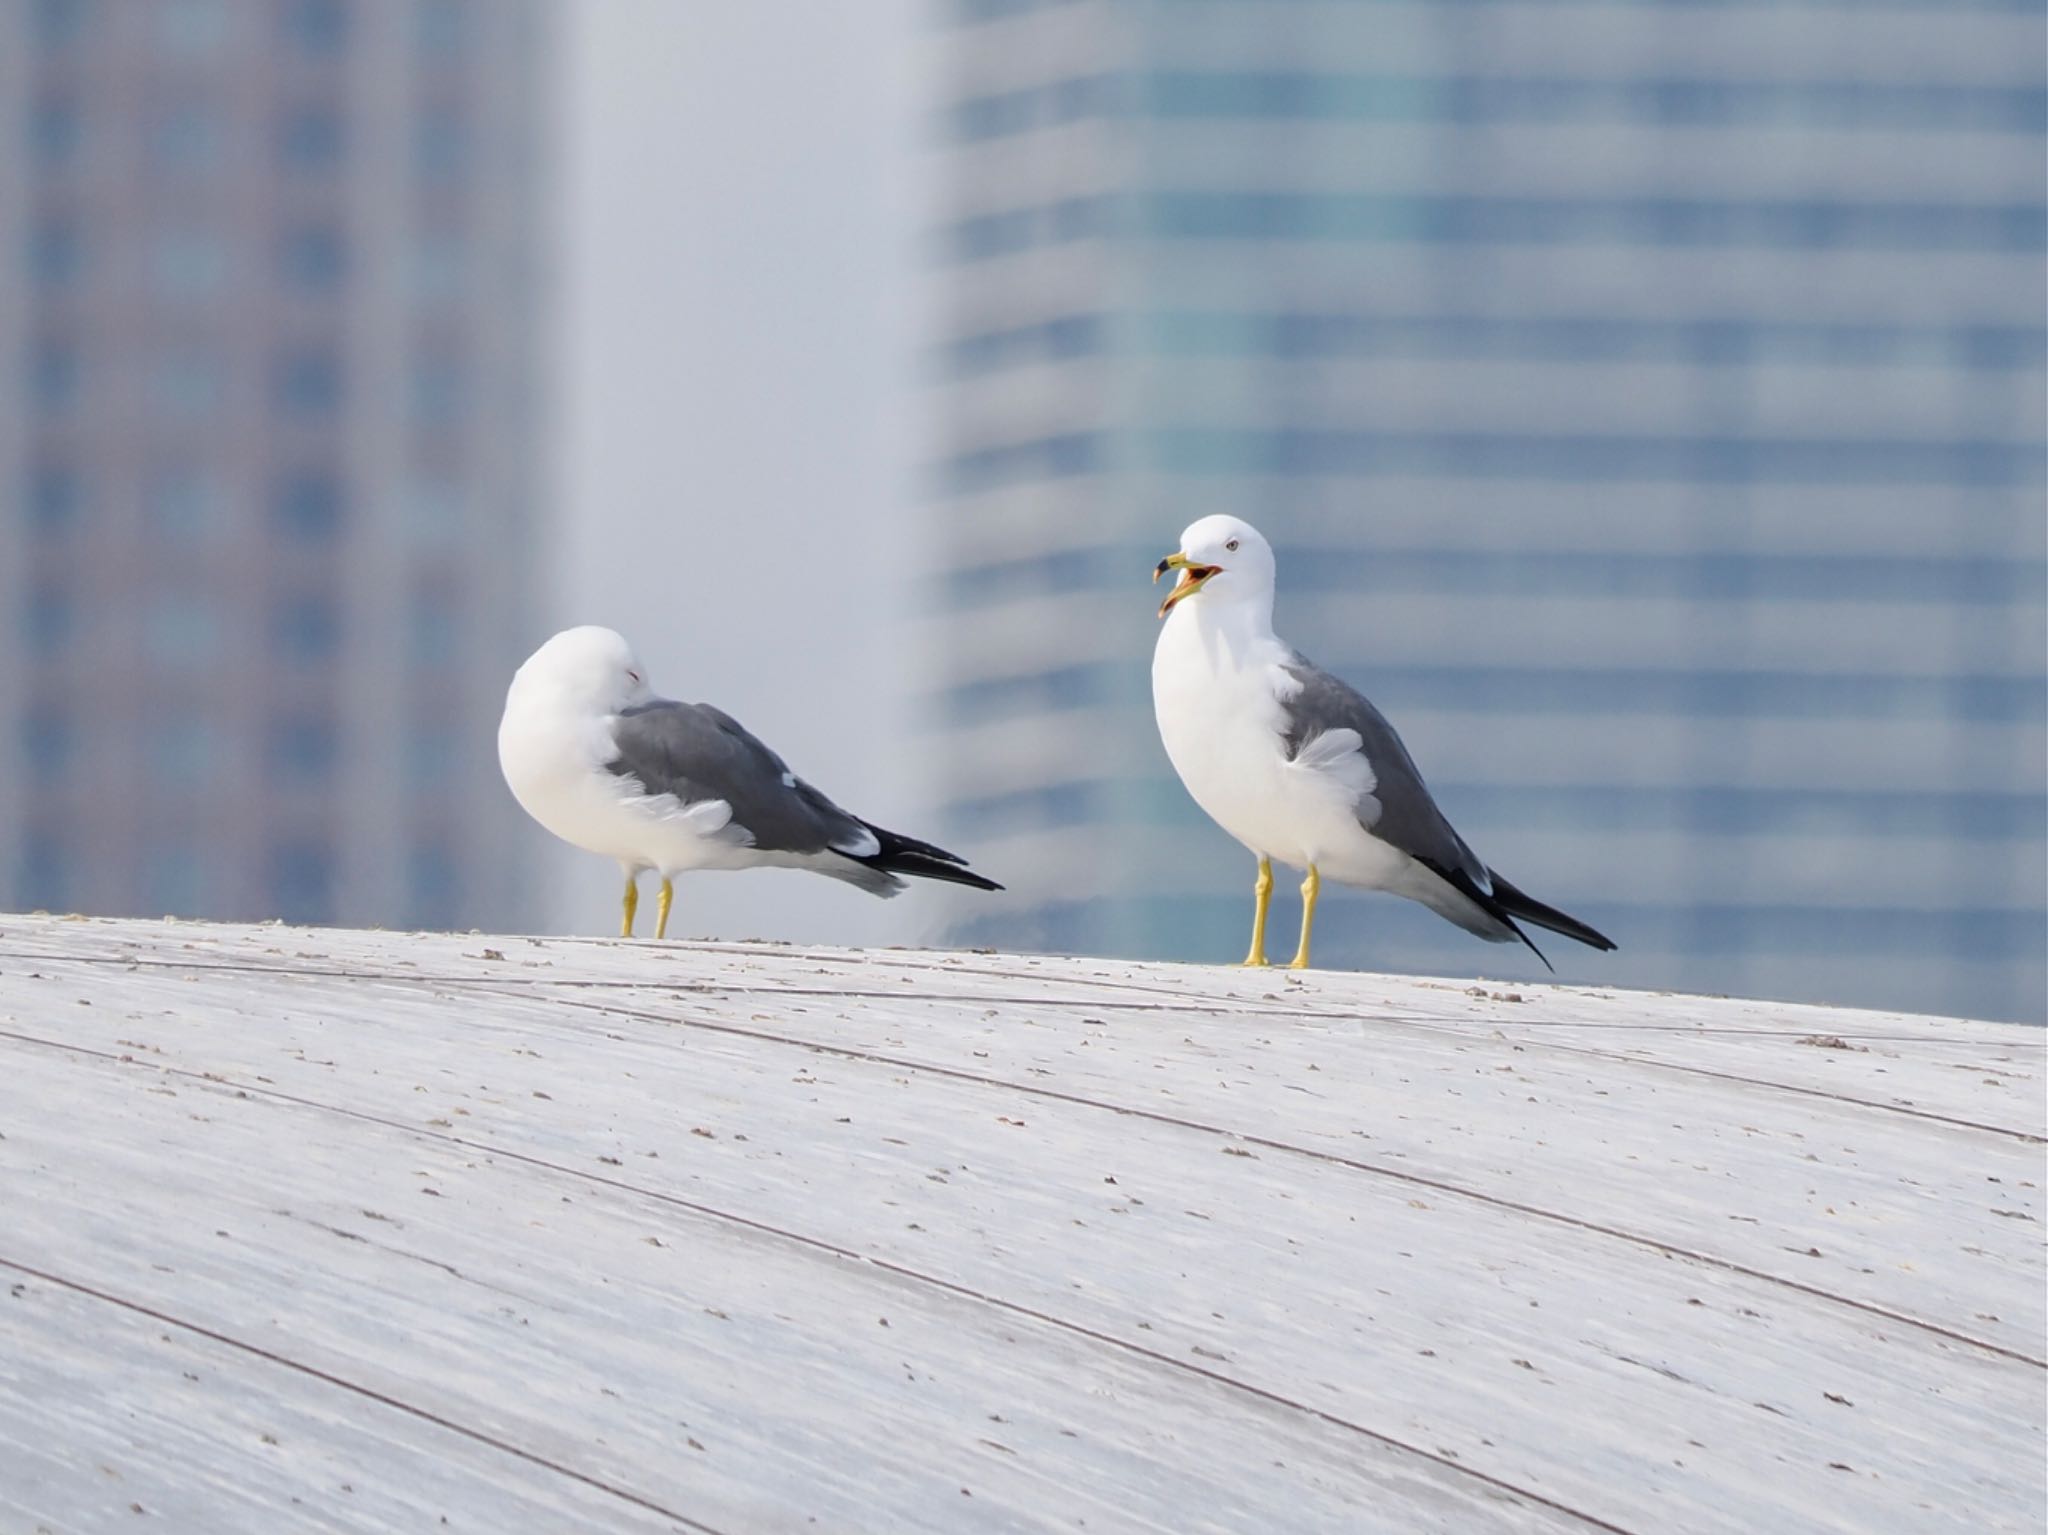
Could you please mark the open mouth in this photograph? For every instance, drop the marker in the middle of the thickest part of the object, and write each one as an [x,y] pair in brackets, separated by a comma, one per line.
[1192,577]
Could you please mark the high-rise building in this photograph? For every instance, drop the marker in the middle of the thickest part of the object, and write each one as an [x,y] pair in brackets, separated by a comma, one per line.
[268,413]
[1646,401]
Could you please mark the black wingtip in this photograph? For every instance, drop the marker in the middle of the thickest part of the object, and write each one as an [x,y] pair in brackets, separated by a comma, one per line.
[1503,902]
[908,856]
[951,873]
[1515,903]
[1526,939]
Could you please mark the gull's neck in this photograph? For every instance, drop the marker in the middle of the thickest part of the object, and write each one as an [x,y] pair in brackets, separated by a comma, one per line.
[1236,628]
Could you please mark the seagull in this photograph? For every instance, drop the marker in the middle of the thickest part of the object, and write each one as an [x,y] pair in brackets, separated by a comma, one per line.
[592,753]
[1300,767]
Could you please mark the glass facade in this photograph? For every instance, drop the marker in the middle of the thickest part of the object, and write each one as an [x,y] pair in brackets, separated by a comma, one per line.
[1645,400]
[237,332]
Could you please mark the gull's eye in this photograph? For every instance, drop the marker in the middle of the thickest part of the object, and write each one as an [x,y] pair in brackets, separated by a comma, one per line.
[1231,546]
[632,674]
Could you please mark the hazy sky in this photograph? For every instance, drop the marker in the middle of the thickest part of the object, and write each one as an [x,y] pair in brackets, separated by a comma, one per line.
[737,327]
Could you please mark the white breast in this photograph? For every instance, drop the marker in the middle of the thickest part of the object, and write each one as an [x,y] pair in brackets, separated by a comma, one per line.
[554,764]
[1217,691]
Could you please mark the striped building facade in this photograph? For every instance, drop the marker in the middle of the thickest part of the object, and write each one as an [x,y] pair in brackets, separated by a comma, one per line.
[268,400]
[1646,401]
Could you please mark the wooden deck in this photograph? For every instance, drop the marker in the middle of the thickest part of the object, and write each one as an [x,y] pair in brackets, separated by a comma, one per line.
[375,1232]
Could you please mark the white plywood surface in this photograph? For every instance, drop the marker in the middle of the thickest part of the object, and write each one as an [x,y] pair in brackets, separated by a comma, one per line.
[356,1231]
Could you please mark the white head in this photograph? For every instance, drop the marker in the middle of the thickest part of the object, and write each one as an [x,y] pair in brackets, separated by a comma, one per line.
[1224,559]
[589,668]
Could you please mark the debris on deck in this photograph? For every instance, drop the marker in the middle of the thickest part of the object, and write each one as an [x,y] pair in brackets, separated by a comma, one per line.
[372,1231]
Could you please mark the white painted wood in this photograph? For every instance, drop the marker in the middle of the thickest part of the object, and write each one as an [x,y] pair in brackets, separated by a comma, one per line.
[565,1234]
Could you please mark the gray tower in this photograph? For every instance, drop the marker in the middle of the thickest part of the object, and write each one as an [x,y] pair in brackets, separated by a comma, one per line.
[1646,402]
[268,421]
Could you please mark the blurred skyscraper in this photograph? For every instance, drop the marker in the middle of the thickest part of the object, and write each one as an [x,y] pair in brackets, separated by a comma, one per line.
[1646,401]
[268,411]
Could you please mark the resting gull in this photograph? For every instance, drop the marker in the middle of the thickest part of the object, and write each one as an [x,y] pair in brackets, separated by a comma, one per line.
[593,755]
[1297,765]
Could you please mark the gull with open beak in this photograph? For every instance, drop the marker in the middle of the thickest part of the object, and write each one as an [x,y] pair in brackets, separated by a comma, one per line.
[1297,765]
[1192,578]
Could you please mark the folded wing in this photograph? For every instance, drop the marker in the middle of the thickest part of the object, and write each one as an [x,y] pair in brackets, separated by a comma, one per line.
[1335,728]
[1328,722]
[702,757]
[698,754]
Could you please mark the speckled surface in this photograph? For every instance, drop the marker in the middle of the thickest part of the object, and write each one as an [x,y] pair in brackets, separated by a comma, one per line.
[368,1231]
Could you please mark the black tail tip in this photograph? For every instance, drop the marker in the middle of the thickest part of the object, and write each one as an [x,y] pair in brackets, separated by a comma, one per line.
[918,866]
[913,859]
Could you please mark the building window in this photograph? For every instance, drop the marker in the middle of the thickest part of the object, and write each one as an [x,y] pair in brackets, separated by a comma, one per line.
[56,131]
[188,386]
[56,257]
[439,267]
[187,140]
[1057,457]
[307,504]
[1073,336]
[181,504]
[42,877]
[1079,218]
[433,886]
[431,641]
[48,743]
[56,498]
[181,631]
[440,390]
[313,258]
[190,29]
[440,143]
[302,751]
[54,375]
[430,755]
[1061,339]
[309,140]
[187,263]
[181,753]
[174,879]
[306,628]
[48,620]
[968,12]
[1083,97]
[61,22]
[317,28]
[299,875]
[307,381]
[433,512]
[988,235]
[995,116]
[442,26]
[1062,688]
[1713,223]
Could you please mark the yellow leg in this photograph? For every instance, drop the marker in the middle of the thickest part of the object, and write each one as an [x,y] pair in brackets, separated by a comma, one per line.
[628,906]
[668,892]
[1262,897]
[1310,889]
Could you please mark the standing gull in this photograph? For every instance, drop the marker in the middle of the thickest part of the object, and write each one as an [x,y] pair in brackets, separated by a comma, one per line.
[593,755]
[1297,765]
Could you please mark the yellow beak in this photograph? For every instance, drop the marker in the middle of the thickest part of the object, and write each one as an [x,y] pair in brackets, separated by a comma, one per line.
[1191,578]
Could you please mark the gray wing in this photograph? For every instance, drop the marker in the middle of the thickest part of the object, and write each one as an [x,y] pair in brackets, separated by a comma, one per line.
[698,753]
[1397,809]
